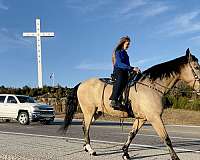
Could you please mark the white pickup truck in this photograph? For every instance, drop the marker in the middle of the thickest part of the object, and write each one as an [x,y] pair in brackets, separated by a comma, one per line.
[25,109]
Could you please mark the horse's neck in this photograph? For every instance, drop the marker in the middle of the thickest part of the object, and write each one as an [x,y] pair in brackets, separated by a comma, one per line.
[169,83]
[164,84]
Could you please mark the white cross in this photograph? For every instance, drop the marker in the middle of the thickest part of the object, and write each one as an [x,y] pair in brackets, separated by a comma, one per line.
[38,36]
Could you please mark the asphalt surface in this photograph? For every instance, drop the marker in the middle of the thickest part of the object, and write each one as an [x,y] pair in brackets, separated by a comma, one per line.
[37,141]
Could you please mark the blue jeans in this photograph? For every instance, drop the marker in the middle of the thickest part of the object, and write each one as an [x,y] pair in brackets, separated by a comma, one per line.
[121,80]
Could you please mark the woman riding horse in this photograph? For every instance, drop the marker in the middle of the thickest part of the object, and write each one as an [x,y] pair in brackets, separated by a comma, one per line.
[146,99]
[121,71]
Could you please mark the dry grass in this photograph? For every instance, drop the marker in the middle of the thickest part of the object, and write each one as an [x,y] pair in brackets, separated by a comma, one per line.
[170,116]
[179,116]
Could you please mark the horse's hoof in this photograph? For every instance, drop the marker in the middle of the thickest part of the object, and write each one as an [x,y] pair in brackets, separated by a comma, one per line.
[126,157]
[86,150]
[175,157]
[84,147]
[94,154]
[91,151]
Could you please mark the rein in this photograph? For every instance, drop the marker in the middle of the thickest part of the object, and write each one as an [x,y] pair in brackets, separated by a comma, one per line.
[149,86]
[196,79]
[152,87]
[195,76]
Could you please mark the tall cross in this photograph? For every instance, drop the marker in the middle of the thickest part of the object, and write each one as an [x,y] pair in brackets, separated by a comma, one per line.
[38,36]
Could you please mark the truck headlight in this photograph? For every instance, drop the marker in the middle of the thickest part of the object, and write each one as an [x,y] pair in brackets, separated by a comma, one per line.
[36,108]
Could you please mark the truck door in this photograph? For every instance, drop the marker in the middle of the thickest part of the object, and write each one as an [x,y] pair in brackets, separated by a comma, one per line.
[12,107]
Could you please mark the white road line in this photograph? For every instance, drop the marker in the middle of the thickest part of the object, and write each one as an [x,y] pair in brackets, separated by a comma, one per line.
[97,141]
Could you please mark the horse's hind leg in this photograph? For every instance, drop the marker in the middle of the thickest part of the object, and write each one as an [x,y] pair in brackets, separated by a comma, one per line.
[86,128]
[136,126]
[161,131]
[97,114]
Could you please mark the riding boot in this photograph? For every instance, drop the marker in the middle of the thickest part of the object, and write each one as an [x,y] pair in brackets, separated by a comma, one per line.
[129,110]
[115,105]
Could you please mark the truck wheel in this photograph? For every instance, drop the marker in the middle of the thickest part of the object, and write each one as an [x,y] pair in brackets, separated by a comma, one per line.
[23,118]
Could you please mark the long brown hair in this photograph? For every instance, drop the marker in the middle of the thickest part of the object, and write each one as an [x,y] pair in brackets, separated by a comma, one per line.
[119,47]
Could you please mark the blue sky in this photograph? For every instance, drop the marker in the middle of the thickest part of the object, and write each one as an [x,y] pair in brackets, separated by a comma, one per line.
[86,31]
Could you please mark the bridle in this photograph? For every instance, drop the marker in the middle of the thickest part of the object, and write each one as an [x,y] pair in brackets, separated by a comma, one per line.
[196,78]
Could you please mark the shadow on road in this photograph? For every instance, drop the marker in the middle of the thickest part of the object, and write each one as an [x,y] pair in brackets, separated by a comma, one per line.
[136,155]
[98,123]
[187,143]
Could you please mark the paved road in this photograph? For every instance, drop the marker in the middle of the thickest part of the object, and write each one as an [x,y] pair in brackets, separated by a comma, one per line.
[38,141]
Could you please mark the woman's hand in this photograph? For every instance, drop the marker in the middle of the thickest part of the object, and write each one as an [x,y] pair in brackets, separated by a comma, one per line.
[136,69]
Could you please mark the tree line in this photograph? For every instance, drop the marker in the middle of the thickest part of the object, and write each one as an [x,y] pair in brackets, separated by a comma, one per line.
[179,97]
[51,92]
[182,96]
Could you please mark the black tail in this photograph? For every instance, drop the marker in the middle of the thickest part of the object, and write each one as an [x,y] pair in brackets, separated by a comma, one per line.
[71,107]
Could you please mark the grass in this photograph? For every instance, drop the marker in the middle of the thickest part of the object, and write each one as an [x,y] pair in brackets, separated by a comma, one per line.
[180,116]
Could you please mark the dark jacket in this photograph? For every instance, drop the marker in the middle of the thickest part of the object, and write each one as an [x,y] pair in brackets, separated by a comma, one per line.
[122,60]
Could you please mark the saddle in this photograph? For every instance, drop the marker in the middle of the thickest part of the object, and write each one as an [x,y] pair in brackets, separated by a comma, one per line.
[124,99]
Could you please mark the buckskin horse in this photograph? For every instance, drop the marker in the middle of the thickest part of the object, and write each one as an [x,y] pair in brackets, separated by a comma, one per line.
[145,97]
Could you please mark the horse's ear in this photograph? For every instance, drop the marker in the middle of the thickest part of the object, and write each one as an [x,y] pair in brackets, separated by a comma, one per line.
[188,54]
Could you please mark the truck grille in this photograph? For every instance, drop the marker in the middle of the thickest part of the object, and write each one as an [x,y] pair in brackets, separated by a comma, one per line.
[46,112]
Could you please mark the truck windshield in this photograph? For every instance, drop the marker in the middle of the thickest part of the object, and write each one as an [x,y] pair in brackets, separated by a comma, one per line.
[24,99]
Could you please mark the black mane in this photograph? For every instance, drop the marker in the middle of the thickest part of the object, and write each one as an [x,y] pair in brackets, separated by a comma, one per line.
[167,69]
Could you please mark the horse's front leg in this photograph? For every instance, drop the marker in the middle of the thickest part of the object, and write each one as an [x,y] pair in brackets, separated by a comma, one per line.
[161,131]
[171,150]
[136,126]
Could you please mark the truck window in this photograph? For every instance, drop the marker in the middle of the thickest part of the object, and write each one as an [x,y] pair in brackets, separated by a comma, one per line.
[2,98]
[25,99]
[11,99]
